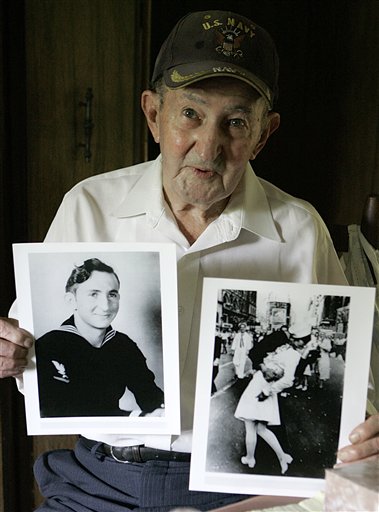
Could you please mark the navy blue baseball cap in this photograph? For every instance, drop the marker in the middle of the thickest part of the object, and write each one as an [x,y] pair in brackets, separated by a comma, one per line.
[213,43]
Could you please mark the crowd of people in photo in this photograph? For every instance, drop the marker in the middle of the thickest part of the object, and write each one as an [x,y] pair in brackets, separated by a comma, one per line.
[246,344]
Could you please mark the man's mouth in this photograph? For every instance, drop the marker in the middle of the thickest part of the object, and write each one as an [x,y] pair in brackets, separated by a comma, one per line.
[203,173]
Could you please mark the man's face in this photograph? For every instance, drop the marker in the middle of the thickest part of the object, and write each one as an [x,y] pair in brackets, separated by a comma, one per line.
[96,300]
[298,343]
[207,133]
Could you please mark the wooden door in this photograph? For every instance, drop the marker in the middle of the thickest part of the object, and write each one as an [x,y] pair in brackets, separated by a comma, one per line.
[76,47]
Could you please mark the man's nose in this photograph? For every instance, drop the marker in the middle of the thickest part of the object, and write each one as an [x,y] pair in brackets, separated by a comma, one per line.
[103,302]
[210,142]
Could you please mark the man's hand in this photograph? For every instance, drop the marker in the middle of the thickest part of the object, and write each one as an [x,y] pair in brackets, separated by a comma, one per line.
[14,345]
[364,441]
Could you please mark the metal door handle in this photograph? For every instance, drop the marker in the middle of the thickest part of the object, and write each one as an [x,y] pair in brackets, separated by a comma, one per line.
[88,124]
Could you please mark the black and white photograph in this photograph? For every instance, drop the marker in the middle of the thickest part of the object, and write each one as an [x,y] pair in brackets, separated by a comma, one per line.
[103,316]
[278,387]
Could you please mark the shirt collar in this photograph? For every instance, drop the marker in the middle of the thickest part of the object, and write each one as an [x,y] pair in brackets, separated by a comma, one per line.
[251,199]
[69,326]
[146,196]
[248,207]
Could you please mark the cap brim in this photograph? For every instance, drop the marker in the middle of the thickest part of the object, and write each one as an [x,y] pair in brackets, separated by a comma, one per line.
[187,74]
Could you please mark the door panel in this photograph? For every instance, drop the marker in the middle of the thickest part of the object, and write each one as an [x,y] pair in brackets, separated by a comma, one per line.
[71,46]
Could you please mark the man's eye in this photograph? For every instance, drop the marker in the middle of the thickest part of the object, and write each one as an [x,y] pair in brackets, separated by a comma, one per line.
[190,113]
[93,294]
[114,295]
[237,123]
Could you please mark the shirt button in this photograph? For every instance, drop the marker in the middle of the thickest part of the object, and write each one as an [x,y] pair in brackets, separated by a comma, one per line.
[180,310]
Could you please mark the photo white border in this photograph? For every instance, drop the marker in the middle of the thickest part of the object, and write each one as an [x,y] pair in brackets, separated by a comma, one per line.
[167,424]
[361,313]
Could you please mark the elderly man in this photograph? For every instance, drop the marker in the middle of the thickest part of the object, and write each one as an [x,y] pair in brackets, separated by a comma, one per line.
[211,109]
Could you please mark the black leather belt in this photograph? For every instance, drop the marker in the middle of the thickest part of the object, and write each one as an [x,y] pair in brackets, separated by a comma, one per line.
[137,453]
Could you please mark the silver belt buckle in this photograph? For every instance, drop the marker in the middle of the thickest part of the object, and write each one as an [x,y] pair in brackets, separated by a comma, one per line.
[135,454]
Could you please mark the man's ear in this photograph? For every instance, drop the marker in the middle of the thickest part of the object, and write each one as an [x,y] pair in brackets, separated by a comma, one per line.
[272,124]
[150,103]
[70,299]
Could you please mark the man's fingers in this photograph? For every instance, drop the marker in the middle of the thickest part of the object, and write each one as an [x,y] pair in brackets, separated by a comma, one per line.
[14,372]
[359,451]
[14,345]
[10,332]
[366,430]
[12,366]
[9,350]
[364,439]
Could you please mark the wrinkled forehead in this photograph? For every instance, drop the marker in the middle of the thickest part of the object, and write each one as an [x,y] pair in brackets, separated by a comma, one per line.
[219,97]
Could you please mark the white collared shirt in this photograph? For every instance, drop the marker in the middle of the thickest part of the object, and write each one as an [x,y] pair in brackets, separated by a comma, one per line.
[262,234]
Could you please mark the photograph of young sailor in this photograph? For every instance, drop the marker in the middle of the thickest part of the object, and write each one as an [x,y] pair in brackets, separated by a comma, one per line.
[84,366]
[283,417]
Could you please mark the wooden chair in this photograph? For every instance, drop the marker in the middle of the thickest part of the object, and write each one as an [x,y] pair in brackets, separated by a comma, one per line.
[369,226]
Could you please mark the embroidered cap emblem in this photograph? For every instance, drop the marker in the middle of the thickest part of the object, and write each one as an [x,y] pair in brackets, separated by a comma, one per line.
[229,42]
[61,370]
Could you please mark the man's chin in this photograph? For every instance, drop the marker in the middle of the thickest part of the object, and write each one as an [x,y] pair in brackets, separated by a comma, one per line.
[102,324]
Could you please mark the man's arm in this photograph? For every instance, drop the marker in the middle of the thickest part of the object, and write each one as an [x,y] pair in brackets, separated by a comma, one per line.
[142,382]
[14,345]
